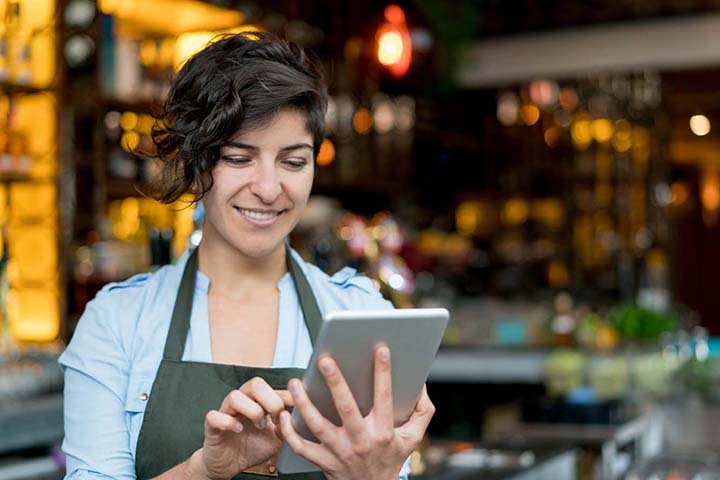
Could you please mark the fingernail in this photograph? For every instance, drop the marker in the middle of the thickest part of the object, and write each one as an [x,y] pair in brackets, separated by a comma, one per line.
[384,354]
[262,424]
[238,427]
[326,365]
[294,388]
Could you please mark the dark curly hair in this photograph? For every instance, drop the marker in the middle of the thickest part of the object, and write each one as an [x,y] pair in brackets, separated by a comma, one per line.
[237,81]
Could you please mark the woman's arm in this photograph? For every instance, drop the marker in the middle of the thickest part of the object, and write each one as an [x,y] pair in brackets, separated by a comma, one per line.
[190,469]
[97,440]
[96,437]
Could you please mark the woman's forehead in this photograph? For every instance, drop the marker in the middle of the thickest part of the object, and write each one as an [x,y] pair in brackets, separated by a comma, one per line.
[284,122]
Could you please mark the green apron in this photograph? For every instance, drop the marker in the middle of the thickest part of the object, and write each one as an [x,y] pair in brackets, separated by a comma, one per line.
[183,392]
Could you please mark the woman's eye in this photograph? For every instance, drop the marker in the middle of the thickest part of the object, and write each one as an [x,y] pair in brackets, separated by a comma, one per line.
[296,163]
[236,160]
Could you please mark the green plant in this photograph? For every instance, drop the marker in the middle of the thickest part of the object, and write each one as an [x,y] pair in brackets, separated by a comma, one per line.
[640,323]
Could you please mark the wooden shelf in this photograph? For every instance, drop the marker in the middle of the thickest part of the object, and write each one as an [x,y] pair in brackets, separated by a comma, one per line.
[15,89]
[151,107]
[13,178]
[119,188]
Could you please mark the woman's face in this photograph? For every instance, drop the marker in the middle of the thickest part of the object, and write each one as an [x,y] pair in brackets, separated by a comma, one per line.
[262,182]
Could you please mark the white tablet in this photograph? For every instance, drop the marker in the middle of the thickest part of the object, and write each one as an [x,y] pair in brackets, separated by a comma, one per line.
[350,337]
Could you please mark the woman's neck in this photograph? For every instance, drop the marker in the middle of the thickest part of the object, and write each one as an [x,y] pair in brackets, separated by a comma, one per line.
[230,270]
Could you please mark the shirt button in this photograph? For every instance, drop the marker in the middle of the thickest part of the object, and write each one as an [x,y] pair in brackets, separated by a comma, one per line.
[143,396]
[271,468]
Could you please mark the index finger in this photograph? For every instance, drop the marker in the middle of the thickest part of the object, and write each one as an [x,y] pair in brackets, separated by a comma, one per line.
[286,398]
[271,400]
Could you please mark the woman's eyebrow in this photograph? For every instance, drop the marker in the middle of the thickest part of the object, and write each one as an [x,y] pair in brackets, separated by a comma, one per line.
[289,148]
[296,146]
[245,146]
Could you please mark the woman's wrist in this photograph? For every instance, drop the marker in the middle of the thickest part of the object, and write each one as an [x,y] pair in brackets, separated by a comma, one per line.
[196,467]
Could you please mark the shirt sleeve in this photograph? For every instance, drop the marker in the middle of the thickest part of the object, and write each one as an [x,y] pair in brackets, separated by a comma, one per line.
[405,471]
[357,291]
[97,440]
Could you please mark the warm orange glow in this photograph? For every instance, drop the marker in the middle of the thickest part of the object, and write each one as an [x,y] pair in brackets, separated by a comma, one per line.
[466,217]
[151,16]
[622,140]
[189,43]
[34,315]
[552,137]
[581,131]
[710,191]
[128,121]
[529,114]
[568,99]
[549,211]
[393,44]
[394,14]
[145,124]
[390,48]
[35,250]
[679,193]
[29,109]
[602,130]
[32,200]
[558,275]
[148,52]
[327,153]
[516,211]
[362,121]
[182,223]
[29,209]
[710,196]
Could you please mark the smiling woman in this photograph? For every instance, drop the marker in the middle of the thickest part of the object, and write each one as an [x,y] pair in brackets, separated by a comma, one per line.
[261,185]
[202,392]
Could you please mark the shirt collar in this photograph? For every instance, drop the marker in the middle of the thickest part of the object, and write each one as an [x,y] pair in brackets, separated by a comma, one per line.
[203,282]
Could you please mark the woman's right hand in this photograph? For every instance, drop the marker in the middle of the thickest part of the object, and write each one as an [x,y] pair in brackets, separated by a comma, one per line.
[243,432]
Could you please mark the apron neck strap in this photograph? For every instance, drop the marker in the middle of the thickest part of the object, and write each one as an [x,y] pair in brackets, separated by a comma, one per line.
[308,303]
[180,320]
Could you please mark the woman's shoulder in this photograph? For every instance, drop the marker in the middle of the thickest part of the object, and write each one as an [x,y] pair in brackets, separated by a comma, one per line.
[134,290]
[124,301]
[345,289]
[110,320]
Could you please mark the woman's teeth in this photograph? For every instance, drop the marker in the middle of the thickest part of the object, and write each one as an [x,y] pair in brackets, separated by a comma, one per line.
[258,215]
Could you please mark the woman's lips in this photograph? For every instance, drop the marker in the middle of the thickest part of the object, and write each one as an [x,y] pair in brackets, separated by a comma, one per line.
[262,218]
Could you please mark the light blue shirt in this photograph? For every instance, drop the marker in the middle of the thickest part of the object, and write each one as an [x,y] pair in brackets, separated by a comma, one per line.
[114,355]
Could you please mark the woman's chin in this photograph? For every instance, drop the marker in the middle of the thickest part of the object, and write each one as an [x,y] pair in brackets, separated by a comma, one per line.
[260,249]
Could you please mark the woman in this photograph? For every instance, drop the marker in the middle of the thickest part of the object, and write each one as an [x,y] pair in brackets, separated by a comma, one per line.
[189,372]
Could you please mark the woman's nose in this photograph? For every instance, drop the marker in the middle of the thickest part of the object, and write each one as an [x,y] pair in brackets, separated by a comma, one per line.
[266,185]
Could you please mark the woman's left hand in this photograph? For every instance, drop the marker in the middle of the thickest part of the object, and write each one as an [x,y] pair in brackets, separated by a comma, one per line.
[363,447]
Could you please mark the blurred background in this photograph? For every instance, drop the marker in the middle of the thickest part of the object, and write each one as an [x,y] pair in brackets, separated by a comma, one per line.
[547,170]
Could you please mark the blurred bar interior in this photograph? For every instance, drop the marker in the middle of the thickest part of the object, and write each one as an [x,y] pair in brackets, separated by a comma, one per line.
[549,171]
